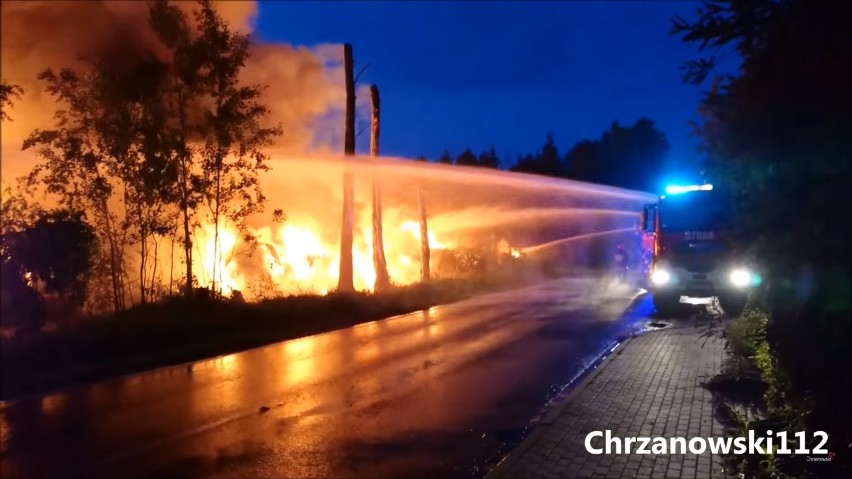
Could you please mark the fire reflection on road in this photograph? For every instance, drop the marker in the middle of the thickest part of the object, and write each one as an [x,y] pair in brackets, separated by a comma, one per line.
[420,395]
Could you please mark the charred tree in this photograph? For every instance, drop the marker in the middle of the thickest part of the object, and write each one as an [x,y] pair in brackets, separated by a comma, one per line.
[424,236]
[345,281]
[379,262]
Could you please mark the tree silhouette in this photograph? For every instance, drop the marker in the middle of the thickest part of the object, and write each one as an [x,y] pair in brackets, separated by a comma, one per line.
[234,152]
[582,161]
[8,91]
[545,162]
[467,158]
[489,159]
[630,157]
[20,305]
[777,141]
[527,163]
[57,250]
[156,136]
[87,157]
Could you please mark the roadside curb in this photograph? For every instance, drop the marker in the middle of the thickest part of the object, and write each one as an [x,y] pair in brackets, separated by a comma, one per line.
[540,428]
[559,408]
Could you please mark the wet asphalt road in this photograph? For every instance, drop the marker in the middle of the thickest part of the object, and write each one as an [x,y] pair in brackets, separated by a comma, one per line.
[437,393]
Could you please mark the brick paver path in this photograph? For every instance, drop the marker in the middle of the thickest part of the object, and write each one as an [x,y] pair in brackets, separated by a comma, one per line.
[652,386]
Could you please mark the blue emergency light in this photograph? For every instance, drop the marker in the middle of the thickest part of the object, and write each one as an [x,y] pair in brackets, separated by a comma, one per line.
[675,190]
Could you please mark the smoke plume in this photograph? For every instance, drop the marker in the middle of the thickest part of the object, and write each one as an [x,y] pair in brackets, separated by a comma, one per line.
[304,85]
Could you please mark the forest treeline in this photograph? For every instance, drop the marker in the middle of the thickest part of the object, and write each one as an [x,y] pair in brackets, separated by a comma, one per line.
[631,157]
[777,140]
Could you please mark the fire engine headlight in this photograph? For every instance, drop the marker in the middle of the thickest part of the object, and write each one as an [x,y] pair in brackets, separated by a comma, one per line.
[660,277]
[741,277]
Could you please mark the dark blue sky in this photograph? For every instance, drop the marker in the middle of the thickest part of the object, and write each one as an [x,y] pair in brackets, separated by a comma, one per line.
[476,74]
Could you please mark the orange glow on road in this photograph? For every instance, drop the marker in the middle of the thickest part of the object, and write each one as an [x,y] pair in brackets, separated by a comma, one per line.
[300,359]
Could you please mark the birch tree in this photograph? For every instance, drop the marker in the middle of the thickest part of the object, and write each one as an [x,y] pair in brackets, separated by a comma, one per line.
[76,161]
[233,156]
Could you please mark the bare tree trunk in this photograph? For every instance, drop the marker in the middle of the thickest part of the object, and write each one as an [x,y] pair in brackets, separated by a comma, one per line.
[144,214]
[203,277]
[216,250]
[345,281]
[187,249]
[153,282]
[114,267]
[114,274]
[172,259]
[142,260]
[185,163]
[187,234]
[424,237]
[379,262]
[126,276]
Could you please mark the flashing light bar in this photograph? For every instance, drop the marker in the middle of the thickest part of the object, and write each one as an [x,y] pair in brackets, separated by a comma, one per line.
[674,190]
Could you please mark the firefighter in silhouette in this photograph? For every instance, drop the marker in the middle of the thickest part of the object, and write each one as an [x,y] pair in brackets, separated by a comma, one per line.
[621,262]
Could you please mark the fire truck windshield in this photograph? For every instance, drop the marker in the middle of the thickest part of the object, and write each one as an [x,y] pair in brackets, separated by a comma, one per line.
[691,212]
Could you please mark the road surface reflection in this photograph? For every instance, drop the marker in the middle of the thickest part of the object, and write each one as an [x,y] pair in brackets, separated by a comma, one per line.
[425,394]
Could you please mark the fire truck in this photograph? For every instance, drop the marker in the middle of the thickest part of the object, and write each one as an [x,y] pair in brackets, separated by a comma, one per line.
[687,252]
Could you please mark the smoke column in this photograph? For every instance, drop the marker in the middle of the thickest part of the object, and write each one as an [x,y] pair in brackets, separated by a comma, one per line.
[304,85]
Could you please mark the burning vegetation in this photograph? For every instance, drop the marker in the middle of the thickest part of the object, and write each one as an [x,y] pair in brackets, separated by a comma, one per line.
[192,152]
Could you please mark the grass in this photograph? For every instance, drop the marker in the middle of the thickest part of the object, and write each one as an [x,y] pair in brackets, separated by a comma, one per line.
[179,330]
[755,392]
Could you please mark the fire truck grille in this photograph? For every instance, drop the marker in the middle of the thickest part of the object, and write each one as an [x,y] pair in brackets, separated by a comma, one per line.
[699,266]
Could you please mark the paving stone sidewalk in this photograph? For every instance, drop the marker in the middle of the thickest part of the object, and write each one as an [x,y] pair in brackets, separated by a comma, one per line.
[650,386]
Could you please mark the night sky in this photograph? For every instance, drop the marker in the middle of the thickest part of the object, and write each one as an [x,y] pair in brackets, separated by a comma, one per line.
[476,74]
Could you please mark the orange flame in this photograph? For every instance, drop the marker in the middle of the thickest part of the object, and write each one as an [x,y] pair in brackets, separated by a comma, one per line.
[296,257]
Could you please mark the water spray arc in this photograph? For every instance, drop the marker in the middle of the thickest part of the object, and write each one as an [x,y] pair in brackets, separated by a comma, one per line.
[483,217]
[532,249]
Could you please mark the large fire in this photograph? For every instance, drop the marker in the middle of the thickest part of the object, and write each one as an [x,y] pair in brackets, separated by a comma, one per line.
[472,213]
[299,256]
